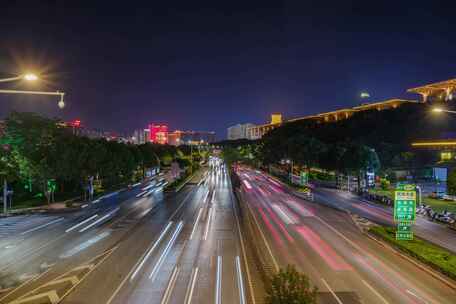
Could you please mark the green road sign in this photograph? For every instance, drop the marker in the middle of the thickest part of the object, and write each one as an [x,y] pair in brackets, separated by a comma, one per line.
[405,187]
[304,178]
[404,236]
[404,206]
[404,227]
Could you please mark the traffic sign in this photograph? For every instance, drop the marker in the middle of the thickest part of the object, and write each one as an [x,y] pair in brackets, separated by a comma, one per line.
[404,236]
[304,178]
[404,205]
[404,227]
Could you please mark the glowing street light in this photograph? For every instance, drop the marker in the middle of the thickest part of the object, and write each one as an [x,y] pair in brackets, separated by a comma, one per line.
[364,95]
[30,77]
[27,77]
[440,110]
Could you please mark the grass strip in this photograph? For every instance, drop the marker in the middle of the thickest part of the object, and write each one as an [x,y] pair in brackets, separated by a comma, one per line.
[432,255]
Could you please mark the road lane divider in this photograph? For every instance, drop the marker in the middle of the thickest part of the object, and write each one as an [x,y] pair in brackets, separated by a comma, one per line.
[168,247]
[209,216]
[241,239]
[331,291]
[196,223]
[375,292]
[104,217]
[56,290]
[43,226]
[81,223]
[144,258]
[240,280]
[170,287]
[218,282]
[84,245]
[191,286]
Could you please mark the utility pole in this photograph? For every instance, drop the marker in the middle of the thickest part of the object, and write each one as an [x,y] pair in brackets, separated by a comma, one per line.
[5,196]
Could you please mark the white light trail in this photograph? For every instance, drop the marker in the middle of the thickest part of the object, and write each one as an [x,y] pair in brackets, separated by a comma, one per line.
[218,283]
[81,223]
[196,223]
[191,286]
[42,226]
[208,224]
[240,280]
[149,252]
[99,220]
[166,251]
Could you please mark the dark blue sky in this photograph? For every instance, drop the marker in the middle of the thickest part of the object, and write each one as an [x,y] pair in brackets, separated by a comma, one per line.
[207,65]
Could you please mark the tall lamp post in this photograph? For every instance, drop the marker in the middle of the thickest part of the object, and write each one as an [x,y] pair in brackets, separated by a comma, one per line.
[27,77]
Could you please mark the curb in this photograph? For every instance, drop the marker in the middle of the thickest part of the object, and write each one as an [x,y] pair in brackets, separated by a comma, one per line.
[178,188]
[437,275]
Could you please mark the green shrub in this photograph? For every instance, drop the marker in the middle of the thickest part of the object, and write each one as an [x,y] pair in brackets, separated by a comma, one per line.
[290,286]
[438,258]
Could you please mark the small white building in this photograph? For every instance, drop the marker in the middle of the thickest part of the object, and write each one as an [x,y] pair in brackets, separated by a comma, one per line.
[238,131]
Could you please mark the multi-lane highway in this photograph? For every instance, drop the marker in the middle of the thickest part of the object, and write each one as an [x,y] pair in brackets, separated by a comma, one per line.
[434,232]
[322,242]
[132,248]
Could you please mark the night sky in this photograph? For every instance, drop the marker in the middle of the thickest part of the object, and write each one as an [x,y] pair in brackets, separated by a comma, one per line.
[208,65]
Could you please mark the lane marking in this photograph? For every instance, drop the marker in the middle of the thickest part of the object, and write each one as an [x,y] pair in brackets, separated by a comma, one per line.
[375,292]
[416,296]
[81,223]
[25,283]
[170,244]
[85,245]
[331,291]
[208,223]
[83,206]
[114,294]
[191,286]
[276,265]
[149,252]
[241,238]
[170,287]
[240,280]
[44,225]
[196,223]
[218,284]
[99,220]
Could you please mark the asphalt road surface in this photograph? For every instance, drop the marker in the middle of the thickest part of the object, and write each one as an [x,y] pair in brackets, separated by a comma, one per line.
[160,248]
[433,232]
[345,265]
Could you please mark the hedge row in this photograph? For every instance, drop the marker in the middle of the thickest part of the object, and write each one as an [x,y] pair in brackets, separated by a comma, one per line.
[436,257]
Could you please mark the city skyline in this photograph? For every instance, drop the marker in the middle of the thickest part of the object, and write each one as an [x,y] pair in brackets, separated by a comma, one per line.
[229,64]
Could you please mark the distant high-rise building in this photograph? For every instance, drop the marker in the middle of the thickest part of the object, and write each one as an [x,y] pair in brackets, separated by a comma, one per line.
[238,131]
[158,134]
[140,136]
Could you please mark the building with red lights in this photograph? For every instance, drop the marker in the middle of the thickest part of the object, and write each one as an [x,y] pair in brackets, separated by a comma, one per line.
[158,134]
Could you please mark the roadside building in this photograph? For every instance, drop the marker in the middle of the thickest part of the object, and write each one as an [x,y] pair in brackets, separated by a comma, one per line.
[238,131]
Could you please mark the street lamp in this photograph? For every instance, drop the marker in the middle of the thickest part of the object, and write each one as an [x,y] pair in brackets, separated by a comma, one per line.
[440,110]
[61,103]
[27,76]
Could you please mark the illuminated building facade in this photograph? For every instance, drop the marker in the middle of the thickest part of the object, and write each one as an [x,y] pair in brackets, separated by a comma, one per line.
[439,91]
[158,134]
[259,131]
[178,137]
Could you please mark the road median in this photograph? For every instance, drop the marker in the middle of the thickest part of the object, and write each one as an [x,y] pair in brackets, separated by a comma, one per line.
[433,256]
